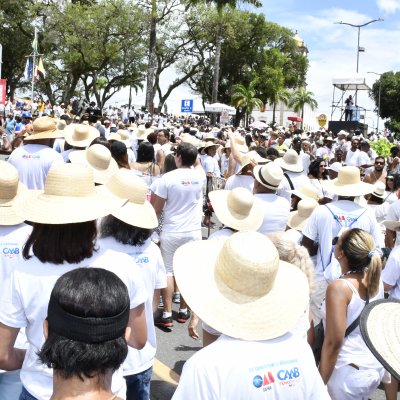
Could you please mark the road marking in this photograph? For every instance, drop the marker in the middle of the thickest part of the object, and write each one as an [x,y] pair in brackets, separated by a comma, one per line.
[165,373]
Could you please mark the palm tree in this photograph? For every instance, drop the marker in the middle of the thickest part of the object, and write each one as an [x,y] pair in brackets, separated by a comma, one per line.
[244,98]
[300,98]
[220,5]
[280,95]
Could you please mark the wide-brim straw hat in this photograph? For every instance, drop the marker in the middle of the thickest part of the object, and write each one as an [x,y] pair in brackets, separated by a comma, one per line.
[237,209]
[380,329]
[290,161]
[298,219]
[141,133]
[99,159]
[119,138]
[44,128]
[80,135]
[248,157]
[241,144]
[243,276]
[10,190]
[392,225]
[209,144]
[348,183]
[306,191]
[69,196]
[269,175]
[188,138]
[137,211]
[379,189]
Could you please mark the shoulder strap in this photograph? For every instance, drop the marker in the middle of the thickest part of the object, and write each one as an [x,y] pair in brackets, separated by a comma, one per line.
[289,180]
[357,218]
[355,323]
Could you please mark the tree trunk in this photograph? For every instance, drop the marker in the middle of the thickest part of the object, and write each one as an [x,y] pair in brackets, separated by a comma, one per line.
[152,58]
[302,116]
[218,45]
[273,113]
[130,98]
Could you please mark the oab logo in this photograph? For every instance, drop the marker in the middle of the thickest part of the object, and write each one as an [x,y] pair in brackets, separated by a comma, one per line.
[264,382]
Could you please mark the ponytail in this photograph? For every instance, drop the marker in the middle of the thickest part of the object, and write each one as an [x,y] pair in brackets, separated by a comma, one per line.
[373,275]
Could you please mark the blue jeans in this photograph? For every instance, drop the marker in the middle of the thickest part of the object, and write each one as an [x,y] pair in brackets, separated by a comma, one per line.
[138,385]
[25,395]
[10,385]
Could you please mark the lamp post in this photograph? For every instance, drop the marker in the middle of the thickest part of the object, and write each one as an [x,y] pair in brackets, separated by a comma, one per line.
[379,97]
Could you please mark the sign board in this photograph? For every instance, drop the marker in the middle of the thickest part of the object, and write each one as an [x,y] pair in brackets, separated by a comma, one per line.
[322,120]
[224,119]
[3,83]
[187,106]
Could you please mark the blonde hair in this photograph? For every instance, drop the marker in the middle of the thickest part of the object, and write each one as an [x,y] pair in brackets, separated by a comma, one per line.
[294,254]
[359,248]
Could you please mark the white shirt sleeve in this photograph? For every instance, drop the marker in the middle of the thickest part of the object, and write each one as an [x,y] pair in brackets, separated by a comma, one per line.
[162,189]
[391,272]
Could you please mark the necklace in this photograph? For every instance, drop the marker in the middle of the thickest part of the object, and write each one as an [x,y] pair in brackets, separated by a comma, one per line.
[348,273]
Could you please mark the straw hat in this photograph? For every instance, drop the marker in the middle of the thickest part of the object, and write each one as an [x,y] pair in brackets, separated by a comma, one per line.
[379,189]
[209,144]
[69,196]
[329,139]
[269,175]
[298,219]
[137,211]
[188,138]
[248,157]
[290,161]
[237,209]
[141,133]
[241,144]
[336,166]
[10,189]
[243,276]
[380,329]
[120,136]
[392,225]
[209,136]
[80,135]
[99,159]
[306,191]
[44,128]
[348,183]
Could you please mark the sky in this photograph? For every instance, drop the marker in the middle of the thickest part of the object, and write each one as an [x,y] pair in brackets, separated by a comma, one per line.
[332,47]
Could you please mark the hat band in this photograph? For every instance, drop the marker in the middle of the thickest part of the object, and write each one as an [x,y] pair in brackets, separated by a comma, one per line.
[264,181]
[86,330]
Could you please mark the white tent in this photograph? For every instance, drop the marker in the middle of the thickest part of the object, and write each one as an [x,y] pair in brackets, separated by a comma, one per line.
[219,107]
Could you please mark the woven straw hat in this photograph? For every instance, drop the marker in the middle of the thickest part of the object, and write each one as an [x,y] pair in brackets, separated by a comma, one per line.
[348,183]
[241,144]
[243,276]
[269,175]
[44,128]
[99,159]
[80,135]
[306,191]
[290,161]
[137,211]
[188,138]
[392,225]
[120,136]
[248,157]
[379,189]
[10,190]
[298,219]
[380,329]
[69,196]
[237,209]
[141,133]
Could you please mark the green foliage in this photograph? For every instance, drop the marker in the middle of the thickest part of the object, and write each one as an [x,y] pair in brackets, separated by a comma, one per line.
[244,97]
[300,98]
[382,147]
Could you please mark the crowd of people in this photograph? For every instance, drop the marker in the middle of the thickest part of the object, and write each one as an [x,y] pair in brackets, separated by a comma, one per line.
[101,232]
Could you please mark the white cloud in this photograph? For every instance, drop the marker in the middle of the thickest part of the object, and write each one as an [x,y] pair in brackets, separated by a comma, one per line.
[388,6]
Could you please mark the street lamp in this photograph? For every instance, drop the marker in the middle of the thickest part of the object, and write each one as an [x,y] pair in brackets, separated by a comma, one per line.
[379,97]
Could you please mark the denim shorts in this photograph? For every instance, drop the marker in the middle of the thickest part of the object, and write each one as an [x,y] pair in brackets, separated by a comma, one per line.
[138,385]
[25,395]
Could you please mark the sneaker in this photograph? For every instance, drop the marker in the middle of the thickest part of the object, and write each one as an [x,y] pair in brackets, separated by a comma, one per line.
[164,322]
[161,303]
[176,298]
[183,317]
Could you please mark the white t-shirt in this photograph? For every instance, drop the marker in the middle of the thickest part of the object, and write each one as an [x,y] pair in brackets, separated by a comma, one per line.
[245,181]
[354,158]
[223,233]
[322,227]
[33,162]
[281,368]
[391,273]
[393,214]
[305,160]
[276,212]
[24,304]
[148,258]
[182,190]
[298,180]
[210,165]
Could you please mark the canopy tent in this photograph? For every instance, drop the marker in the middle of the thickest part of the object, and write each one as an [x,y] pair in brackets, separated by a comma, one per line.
[355,83]
[218,108]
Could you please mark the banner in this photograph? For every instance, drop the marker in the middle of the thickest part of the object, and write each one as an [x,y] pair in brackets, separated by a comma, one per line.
[28,69]
[3,88]
[40,69]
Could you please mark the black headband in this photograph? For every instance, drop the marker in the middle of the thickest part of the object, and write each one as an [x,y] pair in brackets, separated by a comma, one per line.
[86,330]
[264,181]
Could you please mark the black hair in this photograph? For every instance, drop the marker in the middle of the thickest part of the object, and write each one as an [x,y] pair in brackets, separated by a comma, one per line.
[101,140]
[272,153]
[71,243]
[169,163]
[119,153]
[313,169]
[262,151]
[92,293]
[123,232]
[145,152]
[188,154]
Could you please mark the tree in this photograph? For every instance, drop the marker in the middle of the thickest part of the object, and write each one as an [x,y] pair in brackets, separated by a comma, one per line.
[300,98]
[244,97]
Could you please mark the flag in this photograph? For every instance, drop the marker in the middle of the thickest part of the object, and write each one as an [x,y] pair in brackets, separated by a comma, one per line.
[40,69]
[35,43]
[28,69]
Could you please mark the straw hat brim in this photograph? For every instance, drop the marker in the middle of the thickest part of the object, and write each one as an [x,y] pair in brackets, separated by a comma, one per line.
[289,167]
[349,190]
[36,206]
[8,216]
[140,215]
[295,221]
[251,222]
[101,176]
[92,134]
[380,329]
[51,134]
[302,195]
[265,317]
[392,225]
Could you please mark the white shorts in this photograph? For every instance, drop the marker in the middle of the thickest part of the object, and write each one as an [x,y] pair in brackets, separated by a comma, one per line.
[349,383]
[171,241]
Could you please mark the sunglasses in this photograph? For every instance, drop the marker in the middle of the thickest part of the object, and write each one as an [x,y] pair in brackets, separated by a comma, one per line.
[335,240]
[379,162]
